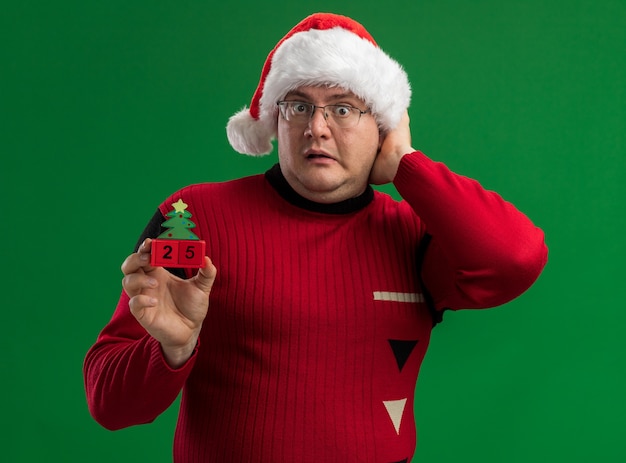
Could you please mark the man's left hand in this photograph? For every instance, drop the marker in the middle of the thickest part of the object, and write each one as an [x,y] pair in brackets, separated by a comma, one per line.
[394,146]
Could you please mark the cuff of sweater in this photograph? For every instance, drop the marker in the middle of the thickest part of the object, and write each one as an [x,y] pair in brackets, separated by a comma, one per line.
[159,363]
[409,164]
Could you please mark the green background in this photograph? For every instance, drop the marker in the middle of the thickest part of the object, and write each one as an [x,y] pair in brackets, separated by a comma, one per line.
[107,107]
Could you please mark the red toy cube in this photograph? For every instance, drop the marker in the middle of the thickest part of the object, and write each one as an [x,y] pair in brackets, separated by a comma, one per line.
[191,253]
[177,253]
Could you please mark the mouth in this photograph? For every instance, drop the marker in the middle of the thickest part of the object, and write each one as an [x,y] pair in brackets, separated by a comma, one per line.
[318,155]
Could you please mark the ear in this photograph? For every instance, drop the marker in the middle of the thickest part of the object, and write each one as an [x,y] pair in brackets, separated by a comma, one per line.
[381,138]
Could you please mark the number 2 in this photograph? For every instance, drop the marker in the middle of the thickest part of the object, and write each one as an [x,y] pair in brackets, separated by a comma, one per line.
[168,252]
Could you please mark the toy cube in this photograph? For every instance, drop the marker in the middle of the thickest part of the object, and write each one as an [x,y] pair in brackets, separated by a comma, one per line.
[177,253]
[191,253]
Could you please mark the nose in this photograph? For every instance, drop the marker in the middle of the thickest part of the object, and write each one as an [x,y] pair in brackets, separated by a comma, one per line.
[318,124]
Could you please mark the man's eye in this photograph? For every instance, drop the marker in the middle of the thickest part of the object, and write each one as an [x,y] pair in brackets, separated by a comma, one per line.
[300,108]
[342,111]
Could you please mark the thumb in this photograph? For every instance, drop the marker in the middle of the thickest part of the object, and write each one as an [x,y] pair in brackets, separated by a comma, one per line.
[206,276]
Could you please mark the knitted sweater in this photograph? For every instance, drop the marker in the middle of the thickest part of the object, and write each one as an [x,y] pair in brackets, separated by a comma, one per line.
[319,318]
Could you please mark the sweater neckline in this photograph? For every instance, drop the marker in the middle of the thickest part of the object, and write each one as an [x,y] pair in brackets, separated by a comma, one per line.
[278,181]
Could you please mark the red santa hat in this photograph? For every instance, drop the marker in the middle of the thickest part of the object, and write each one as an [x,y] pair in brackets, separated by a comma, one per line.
[323,49]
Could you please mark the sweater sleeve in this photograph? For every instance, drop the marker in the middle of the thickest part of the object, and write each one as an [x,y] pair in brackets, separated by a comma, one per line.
[484,252]
[127,380]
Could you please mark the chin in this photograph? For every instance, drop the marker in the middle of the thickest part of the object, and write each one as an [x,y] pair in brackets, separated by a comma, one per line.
[321,181]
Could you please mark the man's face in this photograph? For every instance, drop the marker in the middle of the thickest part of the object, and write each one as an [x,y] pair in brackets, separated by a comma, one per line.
[321,161]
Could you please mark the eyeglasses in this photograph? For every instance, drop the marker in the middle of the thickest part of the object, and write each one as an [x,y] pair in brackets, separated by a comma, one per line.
[299,113]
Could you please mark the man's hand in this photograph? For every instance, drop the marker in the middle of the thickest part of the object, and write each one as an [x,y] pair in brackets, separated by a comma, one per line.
[169,308]
[395,145]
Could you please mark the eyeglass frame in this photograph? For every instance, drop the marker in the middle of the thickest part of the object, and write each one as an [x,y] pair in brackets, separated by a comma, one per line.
[282,103]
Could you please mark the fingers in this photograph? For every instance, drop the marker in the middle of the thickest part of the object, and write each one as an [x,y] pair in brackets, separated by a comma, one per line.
[398,141]
[139,275]
[139,260]
[205,277]
[139,304]
[136,268]
[395,144]
[135,283]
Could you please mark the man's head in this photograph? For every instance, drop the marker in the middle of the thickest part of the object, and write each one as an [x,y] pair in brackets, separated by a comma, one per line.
[328,141]
[323,50]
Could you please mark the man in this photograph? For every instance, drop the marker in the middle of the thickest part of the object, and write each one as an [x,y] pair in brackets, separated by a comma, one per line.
[301,337]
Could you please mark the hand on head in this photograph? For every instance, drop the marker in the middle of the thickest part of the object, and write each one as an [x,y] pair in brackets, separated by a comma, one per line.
[394,145]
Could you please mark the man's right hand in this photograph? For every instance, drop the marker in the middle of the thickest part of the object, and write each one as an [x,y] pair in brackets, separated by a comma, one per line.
[169,308]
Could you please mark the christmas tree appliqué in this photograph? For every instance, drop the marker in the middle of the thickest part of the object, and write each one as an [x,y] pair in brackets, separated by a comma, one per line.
[178,223]
[178,246]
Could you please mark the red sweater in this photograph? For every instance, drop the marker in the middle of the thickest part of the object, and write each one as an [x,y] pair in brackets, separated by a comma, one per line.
[318,320]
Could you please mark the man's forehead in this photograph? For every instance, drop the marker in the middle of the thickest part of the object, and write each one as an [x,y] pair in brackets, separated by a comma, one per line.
[325,92]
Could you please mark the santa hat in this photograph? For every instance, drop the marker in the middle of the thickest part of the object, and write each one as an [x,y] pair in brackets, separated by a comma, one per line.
[323,49]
